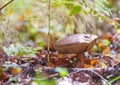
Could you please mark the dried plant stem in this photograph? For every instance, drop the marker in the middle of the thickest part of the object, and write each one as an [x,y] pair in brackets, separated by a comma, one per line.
[114,37]
[100,77]
[48,57]
[6,4]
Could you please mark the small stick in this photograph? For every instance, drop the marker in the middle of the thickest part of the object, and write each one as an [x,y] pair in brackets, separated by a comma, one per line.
[48,57]
[114,37]
[6,4]
[100,76]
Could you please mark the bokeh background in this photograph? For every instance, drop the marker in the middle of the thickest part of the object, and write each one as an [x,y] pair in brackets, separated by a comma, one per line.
[26,21]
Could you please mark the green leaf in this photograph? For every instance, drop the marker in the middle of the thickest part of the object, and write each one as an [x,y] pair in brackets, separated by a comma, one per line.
[62,71]
[19,50]
[75,10]
[58,2]
[101,19]
[115,79]
[85,2]
[94,12]
[40,79]
[104,65]
[94,48]
[69,3]
[105,6]
[106,42]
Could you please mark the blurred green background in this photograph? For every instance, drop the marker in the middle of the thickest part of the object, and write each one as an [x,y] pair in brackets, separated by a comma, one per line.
[26,21]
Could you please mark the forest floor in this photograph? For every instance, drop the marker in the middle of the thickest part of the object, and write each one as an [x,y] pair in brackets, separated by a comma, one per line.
[101,66]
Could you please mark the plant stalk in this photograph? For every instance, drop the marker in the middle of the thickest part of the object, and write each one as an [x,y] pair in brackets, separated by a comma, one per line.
[48,57]
[6,4]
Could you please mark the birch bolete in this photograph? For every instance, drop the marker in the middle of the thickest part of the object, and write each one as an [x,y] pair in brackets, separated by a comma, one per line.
[76,44]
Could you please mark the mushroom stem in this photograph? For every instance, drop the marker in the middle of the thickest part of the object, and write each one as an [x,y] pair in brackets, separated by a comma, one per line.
[81,60]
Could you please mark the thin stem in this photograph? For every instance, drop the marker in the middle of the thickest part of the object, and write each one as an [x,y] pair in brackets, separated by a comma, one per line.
[6,4]
[100,76]
[114,37]
[48,58]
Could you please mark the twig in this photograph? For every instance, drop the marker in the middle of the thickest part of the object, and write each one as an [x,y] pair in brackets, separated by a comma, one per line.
[100,76]
[114,37]
[92,70]
[85,69]
[77,70]
[6,4]
[80,69]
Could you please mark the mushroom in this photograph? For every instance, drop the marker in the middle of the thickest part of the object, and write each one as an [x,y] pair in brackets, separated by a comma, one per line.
[76,44]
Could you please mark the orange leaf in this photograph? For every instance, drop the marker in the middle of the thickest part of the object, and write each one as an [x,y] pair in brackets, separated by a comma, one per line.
[107,36]
[106,50]
[100,44]
[62,56]
[16,71]
[20,17]
[93,61]
[88,66]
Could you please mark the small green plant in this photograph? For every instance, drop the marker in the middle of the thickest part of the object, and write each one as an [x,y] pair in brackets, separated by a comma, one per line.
[62,71]
[14,79]
[19,50]
[9,64]
[106,42]
[40,79]
[114,79]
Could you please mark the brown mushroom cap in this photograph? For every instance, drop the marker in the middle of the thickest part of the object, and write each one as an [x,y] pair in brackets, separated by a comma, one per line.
[76,43]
